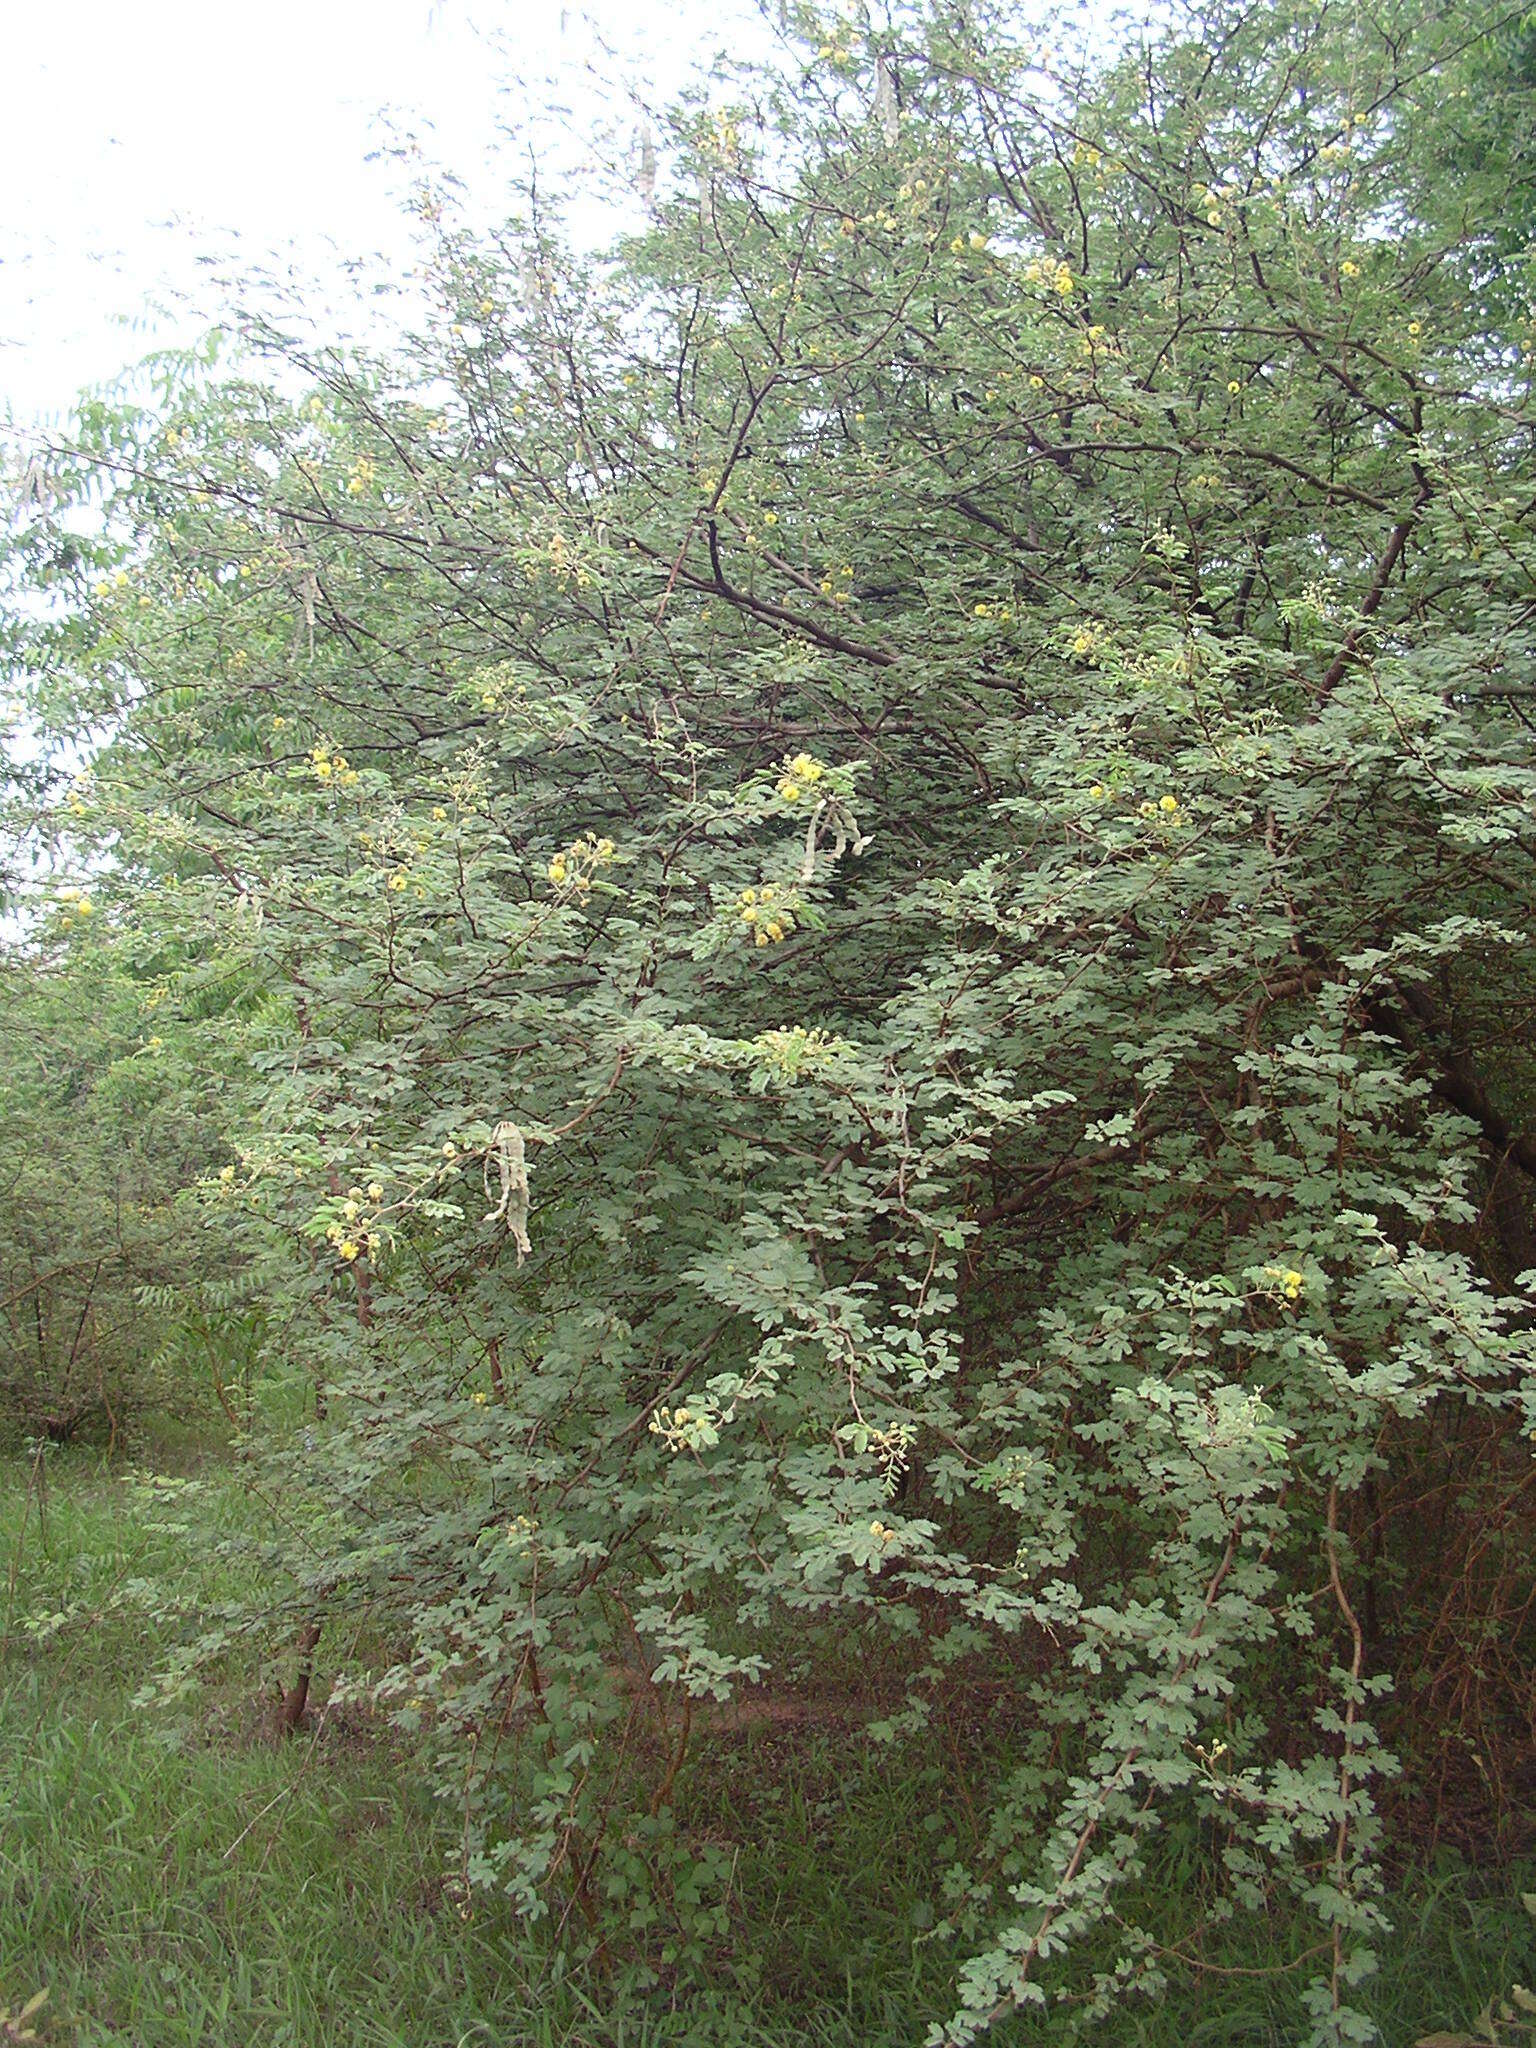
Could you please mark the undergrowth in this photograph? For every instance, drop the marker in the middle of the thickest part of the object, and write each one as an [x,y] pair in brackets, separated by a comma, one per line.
[192,1878]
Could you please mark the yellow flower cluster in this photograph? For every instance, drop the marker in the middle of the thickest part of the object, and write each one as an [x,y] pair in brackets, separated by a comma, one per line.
[361,479]
[571,872]
[1058,276]
[791,1051]
[799,773]
[76,904]
[683,1428]
[520,1528]
[1289,1279]
[1211,200]
[766,913]
[558,555]
[346,1236]
[1168,805]
[328,767]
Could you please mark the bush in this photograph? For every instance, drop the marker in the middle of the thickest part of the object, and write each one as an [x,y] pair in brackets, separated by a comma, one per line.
[881,845]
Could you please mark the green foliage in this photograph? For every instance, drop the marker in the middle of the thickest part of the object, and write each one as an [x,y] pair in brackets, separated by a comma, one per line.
[113,1300]
[184,1881]
[877,854]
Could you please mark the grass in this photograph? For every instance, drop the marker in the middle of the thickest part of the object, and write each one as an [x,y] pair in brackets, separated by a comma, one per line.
[184,1878]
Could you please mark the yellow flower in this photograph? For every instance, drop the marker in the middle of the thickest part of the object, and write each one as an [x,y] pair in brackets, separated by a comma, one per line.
[957,246]
[1168,803]
[1214,217]
[557,869]
[348,1249]
[762,938]
[748,914]
[1233,387]
[375,1192]
[397,880]
[481,1399]
[226,1174]
[976,240]
[805,767]
[1064,281]
[1097,790]
[775,931]
[1415,327]
[749,896]
[487,305]
[770,519]
[438,813]
[1348,269]
[85,907]
[349,1210]
[1146,810]
[605,849]
[789,791]
[450,1150]
[1037,383]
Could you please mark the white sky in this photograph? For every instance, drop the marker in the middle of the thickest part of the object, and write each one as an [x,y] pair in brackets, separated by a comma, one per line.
[138,135]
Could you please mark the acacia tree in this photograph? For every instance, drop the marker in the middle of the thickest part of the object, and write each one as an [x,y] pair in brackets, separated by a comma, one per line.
[887,840]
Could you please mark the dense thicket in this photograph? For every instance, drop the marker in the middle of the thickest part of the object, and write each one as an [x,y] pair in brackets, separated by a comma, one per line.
[877,859]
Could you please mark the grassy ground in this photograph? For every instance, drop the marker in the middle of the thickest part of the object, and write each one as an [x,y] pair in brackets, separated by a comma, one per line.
[184,1878]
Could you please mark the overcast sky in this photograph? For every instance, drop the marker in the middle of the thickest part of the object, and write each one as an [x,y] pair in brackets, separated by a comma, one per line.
[138,135]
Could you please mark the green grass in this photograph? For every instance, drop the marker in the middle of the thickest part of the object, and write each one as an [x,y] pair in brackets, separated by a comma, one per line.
[184,1877]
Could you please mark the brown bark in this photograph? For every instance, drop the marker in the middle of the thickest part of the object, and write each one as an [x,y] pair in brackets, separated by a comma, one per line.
[297,1696]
